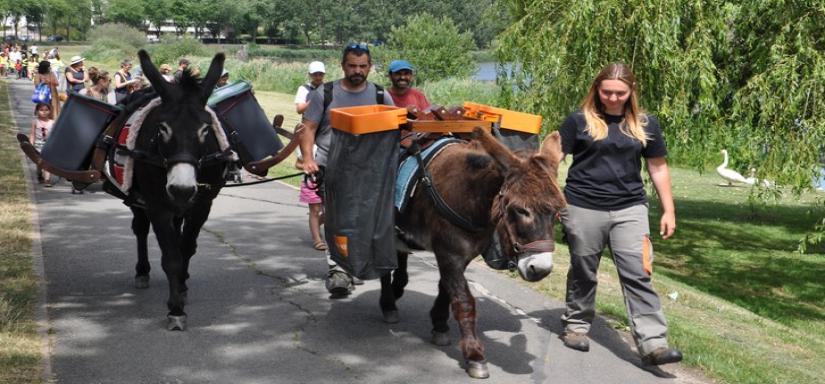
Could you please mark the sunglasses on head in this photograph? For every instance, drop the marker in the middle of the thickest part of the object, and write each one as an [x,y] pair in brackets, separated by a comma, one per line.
[358,46]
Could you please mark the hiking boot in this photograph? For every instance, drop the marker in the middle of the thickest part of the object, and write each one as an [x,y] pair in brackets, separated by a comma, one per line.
[662,355]
[338,283]
[576,340]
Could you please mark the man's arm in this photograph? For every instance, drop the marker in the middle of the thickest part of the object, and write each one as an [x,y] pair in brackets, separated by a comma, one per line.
[307,142]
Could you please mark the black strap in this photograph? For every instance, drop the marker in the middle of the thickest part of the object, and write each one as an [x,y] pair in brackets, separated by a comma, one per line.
[379,95]
[426,179]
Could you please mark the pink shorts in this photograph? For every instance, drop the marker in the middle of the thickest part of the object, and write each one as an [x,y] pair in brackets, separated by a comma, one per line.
[308,195]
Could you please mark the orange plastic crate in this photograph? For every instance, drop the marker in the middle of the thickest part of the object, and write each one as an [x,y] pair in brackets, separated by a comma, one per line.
[512,120]
[367,119]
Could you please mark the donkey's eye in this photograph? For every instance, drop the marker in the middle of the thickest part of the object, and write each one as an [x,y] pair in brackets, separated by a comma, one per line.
[203,132]
[521,212]
[165,132]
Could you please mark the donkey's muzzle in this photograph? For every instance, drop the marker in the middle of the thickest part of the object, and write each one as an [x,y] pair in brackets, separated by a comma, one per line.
[181,183]
[535,266]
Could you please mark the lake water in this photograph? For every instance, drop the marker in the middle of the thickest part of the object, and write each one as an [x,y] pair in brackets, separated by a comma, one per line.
[488,71]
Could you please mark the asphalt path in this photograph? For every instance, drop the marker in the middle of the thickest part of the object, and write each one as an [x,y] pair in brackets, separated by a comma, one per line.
[258,311]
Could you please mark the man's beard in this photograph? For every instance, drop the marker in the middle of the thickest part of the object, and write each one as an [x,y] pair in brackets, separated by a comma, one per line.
[401,84]
[356,79]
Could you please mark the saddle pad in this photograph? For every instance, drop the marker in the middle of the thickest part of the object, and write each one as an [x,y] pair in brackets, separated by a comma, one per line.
[407,179]
[122,166]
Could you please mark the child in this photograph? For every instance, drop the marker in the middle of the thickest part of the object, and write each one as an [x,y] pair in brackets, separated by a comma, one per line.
[42,124]
[18,67]
[309,196]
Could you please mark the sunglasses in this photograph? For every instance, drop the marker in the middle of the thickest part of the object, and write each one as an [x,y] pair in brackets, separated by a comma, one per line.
[358,46]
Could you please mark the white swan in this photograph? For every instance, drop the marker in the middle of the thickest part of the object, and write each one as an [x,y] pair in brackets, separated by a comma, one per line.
[730,175]
[751,180]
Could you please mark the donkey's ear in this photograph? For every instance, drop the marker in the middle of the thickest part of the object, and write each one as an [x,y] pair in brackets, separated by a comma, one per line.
[551,152]
[215,69]
[500,153]
[159,84]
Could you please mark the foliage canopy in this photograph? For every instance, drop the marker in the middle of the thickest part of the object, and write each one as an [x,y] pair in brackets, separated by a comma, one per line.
[748,76]
[435,47]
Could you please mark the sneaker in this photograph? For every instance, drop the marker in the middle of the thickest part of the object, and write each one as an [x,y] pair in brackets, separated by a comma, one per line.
[356,281]
[662,355]
[576,340]
[338,283]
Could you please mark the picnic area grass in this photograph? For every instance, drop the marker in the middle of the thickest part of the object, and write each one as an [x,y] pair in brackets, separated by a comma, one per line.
[742,304]
[20,344]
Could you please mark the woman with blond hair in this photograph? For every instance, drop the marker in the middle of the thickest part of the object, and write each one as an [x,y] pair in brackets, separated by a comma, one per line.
[99,89]
[607,206]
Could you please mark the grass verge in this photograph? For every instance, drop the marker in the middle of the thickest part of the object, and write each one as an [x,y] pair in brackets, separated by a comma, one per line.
[19,341]
[742,304]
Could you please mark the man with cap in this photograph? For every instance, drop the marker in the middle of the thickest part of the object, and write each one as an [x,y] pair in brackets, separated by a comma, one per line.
[402,92]
[316,73]
[350,91]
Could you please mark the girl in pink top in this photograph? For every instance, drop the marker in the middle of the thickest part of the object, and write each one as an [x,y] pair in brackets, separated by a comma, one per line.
[42,124]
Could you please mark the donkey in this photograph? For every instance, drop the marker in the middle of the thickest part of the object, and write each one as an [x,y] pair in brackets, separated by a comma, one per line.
[179,172]
[516,198]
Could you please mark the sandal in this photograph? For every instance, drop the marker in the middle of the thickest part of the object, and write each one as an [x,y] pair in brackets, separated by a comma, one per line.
[320,245]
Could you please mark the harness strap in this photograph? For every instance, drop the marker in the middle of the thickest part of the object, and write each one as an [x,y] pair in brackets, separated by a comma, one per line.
[426,179]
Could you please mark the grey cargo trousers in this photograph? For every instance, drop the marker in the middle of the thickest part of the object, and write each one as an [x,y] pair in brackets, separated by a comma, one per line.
[627,233]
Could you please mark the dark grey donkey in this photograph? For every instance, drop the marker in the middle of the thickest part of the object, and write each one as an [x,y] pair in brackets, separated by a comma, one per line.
[179,169]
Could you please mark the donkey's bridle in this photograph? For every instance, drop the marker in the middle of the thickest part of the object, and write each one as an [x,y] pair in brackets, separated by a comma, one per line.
[538,246]
[158,160]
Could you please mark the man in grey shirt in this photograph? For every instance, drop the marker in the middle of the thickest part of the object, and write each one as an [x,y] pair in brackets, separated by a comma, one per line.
[353,90]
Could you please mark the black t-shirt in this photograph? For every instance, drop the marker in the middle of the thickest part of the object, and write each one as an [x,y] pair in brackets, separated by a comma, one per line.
[606,175]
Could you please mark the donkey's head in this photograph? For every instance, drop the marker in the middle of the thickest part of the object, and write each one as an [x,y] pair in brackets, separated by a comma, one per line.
[184,127]
[528,204]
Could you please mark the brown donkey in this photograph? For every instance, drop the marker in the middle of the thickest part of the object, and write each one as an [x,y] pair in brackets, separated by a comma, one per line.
[514,197]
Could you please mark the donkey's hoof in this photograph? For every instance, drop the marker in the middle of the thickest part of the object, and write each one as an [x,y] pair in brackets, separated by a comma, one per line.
[478,369]
[391,316]
[176,323]
[142,282]
[441,339]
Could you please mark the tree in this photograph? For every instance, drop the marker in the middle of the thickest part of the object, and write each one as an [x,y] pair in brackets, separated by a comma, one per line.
[157,12]
[747,76]
[128,12]
[433,45]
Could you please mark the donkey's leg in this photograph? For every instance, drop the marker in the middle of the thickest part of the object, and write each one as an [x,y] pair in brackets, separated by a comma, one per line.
[140,227]
[387,300]
[189,237]
[464,311]
[400,278]
[392,288]
[453,288]
[172,263]
[439,314]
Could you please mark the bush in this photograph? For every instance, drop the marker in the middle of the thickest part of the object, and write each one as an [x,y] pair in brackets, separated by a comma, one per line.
[293,54]
[433,45]
[113,42]
[170,49]
[454,92]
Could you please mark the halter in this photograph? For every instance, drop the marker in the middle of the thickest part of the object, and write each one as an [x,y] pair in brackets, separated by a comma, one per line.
[544,245]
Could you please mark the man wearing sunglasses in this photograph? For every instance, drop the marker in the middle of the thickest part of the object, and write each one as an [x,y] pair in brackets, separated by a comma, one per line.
[351,91]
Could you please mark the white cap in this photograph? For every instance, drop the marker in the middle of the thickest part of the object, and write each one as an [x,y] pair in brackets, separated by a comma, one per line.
[317,66]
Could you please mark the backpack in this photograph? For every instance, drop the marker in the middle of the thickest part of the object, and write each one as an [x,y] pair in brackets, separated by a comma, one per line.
[379,95]
[42,94]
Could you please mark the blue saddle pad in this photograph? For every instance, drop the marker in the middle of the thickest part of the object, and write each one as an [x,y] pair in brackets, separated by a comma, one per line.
[406,179]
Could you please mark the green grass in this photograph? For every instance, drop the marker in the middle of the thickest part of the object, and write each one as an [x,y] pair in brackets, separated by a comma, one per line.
[750,309]
[19,342]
